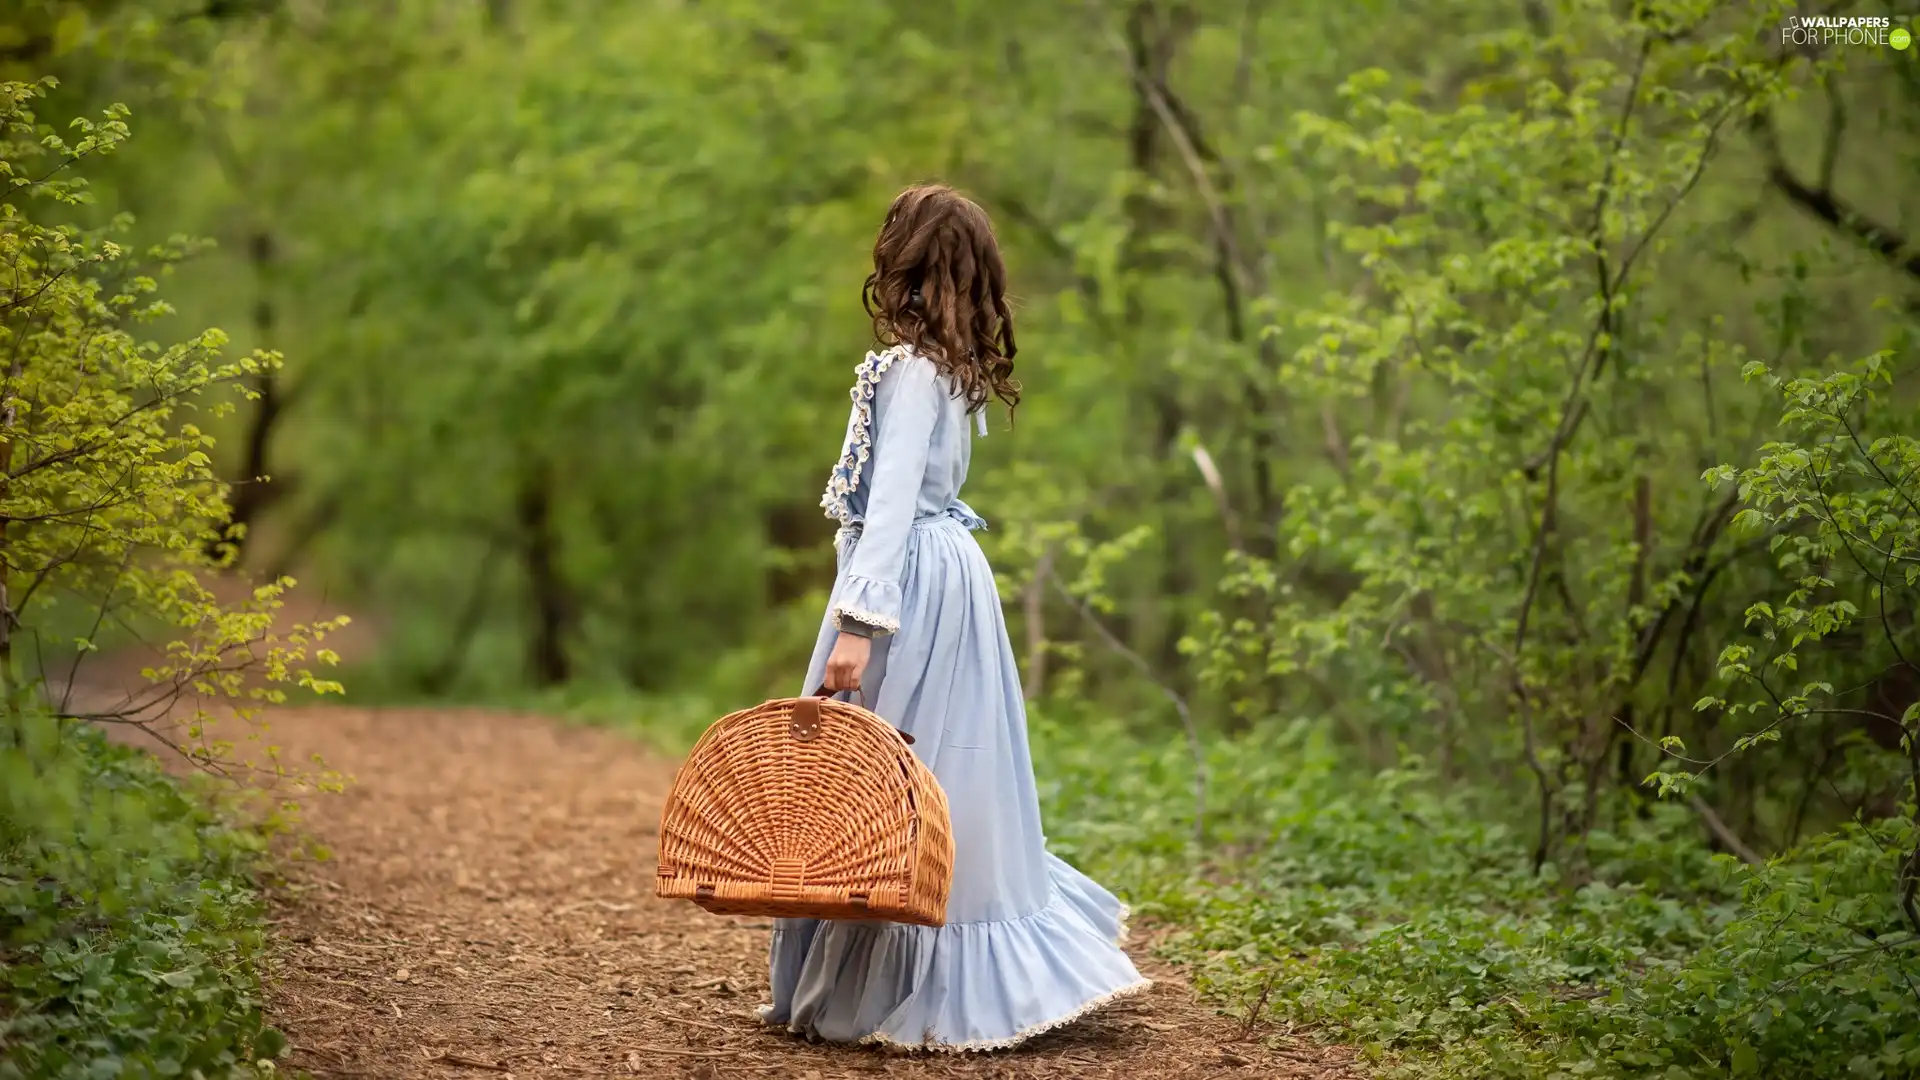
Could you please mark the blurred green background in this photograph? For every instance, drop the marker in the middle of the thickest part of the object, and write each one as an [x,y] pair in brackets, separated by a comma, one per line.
[1461,531]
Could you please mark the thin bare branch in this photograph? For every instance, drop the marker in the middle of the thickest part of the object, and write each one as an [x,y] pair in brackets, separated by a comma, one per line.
[1727,837]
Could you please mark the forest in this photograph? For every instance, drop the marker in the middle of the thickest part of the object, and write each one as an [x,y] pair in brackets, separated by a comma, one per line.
[1461,533]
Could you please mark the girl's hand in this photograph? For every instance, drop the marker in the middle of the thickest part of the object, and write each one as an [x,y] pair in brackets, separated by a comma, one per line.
[848,662]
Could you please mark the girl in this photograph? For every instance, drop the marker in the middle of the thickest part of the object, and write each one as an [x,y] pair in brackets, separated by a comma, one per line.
[1030,943]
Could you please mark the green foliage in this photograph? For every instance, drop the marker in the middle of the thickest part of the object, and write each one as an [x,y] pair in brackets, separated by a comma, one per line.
[131,942]
[1521,569]
[1375,354]
[130,936]
[1852,573]
[107,492]
[1411,923]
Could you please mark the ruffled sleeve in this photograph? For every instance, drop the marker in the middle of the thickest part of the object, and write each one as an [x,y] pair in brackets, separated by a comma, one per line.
[906,406]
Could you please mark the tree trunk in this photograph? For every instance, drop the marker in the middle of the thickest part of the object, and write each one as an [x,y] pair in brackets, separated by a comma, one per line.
[1152,38]
[442,675]
[9,416]
[255,492]
[547,660]
[1035,611]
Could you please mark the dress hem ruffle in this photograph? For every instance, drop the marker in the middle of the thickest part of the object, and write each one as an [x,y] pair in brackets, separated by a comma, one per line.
[1025,1034]
[1070,903]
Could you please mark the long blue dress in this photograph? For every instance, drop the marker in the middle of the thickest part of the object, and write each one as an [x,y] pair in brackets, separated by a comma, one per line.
[1030,943]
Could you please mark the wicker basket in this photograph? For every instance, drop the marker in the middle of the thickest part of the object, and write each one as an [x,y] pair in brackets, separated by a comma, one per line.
[807,808]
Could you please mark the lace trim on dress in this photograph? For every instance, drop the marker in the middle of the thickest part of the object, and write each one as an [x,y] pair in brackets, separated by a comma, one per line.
[872,620]
[859,448]
[1018,1037]
[984,1045]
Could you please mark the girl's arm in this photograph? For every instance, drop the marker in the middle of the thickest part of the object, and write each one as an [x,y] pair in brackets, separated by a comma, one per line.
[905,407]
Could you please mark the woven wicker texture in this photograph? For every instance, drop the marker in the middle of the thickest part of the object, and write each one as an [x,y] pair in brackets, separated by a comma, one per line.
[807,808]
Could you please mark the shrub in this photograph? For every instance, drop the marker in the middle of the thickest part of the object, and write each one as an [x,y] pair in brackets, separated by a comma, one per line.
[130,937]
[1410,921]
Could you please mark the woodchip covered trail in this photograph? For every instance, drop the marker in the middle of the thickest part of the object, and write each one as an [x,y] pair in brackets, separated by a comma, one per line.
[487,911]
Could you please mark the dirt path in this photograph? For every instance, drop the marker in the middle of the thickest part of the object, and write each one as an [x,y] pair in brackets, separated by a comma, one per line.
[487,911]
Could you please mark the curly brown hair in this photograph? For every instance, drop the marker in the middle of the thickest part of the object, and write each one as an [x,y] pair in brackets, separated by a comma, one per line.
[939,285]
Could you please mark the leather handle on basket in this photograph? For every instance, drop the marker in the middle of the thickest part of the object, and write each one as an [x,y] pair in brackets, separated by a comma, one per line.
[823,692]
